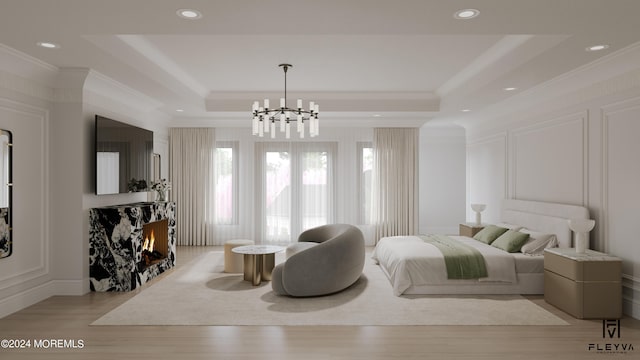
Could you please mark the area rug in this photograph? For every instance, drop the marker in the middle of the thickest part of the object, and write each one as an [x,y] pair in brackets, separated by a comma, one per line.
[200,293]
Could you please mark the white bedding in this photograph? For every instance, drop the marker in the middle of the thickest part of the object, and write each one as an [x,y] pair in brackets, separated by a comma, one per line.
[410,262]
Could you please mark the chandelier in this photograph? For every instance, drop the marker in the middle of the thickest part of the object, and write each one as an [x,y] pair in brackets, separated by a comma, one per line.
[265,118]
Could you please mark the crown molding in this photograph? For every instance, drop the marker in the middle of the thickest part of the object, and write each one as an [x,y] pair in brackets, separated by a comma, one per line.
[103,85]
[330,101]
[608,75]
[26,75]
[26,65]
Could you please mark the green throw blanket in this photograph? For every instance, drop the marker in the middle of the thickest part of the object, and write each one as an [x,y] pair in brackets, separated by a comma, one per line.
[463,261]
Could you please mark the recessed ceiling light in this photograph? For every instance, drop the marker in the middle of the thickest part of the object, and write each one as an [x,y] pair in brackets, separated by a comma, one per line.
[510,88]
[48,45]
[466,14]
[377,115]
[179,110]
[597,47]
[465,110]
[189,14]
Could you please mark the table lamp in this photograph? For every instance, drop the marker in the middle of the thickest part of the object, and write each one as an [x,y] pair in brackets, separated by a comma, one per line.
[478,208]
[581,228]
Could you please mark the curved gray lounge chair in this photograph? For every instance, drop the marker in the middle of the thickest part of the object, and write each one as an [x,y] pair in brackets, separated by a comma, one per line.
[331,265]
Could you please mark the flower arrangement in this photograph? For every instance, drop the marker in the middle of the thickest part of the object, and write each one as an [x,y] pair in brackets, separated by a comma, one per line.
[136,185]
[161,187]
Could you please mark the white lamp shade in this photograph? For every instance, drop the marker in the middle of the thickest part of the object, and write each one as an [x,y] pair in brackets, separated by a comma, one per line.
[478,208]
[581,227]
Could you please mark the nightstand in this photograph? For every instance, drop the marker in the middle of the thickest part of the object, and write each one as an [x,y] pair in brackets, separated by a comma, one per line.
[587,286]
[470,229]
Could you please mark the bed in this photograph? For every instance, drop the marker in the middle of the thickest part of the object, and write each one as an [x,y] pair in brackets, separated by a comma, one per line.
[414,266]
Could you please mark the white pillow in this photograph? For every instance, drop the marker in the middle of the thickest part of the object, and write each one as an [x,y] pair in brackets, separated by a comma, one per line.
[538,242]
[509,226]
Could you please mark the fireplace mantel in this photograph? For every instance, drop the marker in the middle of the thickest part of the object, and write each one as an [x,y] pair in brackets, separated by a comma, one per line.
[115,244]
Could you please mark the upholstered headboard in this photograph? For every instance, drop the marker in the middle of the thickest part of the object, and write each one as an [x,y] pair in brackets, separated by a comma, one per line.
[550,218]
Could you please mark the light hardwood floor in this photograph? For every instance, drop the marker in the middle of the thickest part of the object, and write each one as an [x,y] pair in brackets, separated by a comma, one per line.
[68,318]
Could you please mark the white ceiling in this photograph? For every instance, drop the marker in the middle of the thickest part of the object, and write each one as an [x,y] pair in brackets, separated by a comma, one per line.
[401,59]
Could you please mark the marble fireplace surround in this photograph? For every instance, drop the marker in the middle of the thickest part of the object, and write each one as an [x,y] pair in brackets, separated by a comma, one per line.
[115,244]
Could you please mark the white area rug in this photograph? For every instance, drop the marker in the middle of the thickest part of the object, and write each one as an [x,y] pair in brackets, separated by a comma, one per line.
[200,293]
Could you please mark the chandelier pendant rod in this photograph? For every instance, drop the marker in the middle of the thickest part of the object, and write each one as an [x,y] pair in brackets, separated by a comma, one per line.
[285,67]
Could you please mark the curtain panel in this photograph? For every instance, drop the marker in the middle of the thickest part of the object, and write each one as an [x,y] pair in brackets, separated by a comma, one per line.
[191,160]
[295,188]
[395,181]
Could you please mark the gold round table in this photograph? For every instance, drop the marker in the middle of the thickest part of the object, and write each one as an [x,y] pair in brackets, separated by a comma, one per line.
[259,261]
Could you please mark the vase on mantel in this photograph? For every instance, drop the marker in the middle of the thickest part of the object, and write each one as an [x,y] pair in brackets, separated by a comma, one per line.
[161,196]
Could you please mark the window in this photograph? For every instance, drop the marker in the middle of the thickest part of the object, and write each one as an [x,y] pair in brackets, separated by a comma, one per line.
[226,182]
[365,167]
[297,188]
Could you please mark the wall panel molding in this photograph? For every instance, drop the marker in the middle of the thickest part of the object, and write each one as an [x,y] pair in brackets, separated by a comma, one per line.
[630,284]
[580,120]
[41,116]
[499,139]
[606,112]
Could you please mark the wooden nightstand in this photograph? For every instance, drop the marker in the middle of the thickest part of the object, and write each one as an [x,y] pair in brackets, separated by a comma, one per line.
[587,286]
[470,229]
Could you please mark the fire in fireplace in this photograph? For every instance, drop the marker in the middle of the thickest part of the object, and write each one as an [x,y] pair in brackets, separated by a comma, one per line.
[155,244]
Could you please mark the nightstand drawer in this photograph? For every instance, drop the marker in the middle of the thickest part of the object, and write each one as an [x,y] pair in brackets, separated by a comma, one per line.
[586,285]
[561,265]
[583,300]
[563,293]
[583,270]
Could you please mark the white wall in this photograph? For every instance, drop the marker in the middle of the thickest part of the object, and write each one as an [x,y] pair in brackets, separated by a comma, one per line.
[442,179]
[574,141]
[50,112]
[25,108]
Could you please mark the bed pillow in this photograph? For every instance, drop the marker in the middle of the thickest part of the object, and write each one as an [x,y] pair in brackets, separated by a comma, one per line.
[511,241]
[509,226]
[489,234]
[538,242]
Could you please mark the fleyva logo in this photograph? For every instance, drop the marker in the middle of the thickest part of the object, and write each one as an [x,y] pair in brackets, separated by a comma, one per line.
[611,329]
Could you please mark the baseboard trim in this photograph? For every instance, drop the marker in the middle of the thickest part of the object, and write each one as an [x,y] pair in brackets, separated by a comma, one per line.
[631,307]
[26,298]
[630,296]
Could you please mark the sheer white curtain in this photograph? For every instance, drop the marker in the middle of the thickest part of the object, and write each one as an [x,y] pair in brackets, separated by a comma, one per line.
[191,160]
[395,181]
[294,188]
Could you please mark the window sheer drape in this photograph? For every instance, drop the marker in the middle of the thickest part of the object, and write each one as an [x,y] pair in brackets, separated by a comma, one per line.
[294,188]
[395,181]
[191,159]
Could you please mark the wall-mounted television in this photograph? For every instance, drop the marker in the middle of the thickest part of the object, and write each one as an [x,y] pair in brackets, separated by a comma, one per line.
[124,157]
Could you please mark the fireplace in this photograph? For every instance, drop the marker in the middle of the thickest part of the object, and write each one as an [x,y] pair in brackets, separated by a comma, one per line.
[155,245]
[130,244]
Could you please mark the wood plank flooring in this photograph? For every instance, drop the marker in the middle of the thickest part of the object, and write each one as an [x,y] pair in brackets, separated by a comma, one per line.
[68,318]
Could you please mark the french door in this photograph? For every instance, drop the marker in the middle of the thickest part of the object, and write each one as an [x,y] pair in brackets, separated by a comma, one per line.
[295,188]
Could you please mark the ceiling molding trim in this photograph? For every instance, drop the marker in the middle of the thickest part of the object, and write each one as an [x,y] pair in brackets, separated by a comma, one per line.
[610,74]
[332,102]
[149,51]
[506,45]
[9,51]
[27,75]
[103,85]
